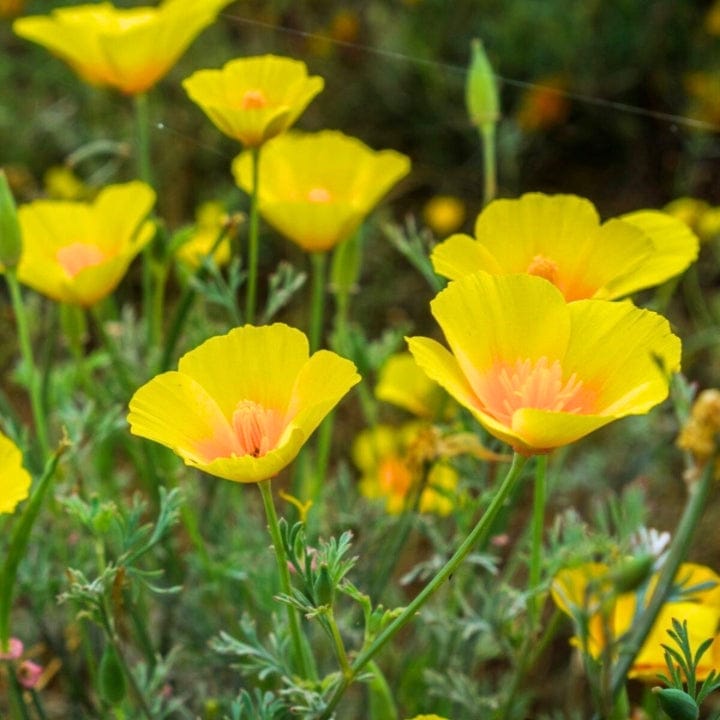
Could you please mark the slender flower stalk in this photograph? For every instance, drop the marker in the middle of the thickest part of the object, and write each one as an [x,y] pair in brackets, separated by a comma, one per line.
[487,138]
[536,533]
[477,535]
[303,659]
[317,308]
[34,380]
[19,541]
[254,241]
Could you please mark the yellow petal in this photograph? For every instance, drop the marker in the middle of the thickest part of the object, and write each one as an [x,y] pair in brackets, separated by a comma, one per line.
[675,248]
[249,363]
[14,479]
[174,410]
[118,211]
[461,255]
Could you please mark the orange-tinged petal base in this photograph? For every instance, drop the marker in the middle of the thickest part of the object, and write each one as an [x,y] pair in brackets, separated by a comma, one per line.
[258,429]
[253,100]
[78,256]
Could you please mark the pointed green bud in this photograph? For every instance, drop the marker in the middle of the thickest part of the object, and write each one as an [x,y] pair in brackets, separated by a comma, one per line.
[630,574]
[481,92]
[324,589]
[111,680]
[10,237]
[676,704]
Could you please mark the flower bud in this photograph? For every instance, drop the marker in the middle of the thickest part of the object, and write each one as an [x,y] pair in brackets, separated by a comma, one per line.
[324,589]
[630,574]
[10,237]
[678,705]
[111,681]
[481,92]
[29,673]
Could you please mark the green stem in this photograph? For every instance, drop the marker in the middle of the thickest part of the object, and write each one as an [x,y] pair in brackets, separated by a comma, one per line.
[17,694]
[18,544]
[477,535]
[338,644]
[302,653]
[253,239]
[538,526]
[487,137]
[317,307]
[35,384]
[115,358]
[697,500]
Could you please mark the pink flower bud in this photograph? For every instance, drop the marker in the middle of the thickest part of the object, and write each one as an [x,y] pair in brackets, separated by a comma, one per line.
[29,673]
[14,651]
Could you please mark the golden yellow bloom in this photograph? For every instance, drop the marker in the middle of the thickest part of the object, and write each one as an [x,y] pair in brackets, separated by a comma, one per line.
[428,717]
[128,49]
[585,593]
[401,382]
[560,238]
[444,214]
[14,479]
[241,405]
[385,456]
[317,188]
[254,99]
[209,222]
[698,215]
[538,372]
[77,252]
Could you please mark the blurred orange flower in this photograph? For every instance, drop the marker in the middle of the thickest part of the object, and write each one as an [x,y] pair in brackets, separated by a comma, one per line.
[254,99]
[129,49]
[77,252]
[241,405]
[543,105]
[317,188]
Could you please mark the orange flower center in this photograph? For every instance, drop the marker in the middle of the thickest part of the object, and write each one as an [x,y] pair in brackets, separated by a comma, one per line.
[319,195]
[257,429]
[532,384]
[253,100]
[394,477]
[544,267]
[78,256]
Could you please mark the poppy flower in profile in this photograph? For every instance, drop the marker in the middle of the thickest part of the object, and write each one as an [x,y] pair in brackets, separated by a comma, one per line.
[538,372]
[586,594]
[254,99]
[14,479]
[560,238]
[316,188]
[77,252]
[240,406]
[128,49]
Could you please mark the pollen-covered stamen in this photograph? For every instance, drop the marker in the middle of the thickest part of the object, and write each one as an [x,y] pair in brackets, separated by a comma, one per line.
[544,267]
[253,100]
[319,195]
[257,429]
[535,384]
[78,256]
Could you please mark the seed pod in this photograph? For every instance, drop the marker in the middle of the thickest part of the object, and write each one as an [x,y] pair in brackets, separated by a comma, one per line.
[111,680]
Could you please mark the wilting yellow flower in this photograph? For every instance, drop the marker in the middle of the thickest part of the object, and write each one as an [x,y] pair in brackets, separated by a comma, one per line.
[543,105]
[586,594]
[538,372]
[241,405]
[209,223]
[444,214]
[401,382]
[560,238]
[254,99]
[699,435]
[14,479]
[317,188]
[127,49]
[385,456]
[77,252]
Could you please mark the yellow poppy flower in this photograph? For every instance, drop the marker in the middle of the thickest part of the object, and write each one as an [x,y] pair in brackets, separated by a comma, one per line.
[585,595]
[560,238]
[14,479]
[241,405]
[401,382]
[77,252]
[428,717]
[254,99]
[538,372]
[317,188]
[384,455]
[209,222]
[127,49]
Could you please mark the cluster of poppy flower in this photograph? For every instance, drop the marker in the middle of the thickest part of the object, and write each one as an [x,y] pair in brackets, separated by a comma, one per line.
[539,351]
